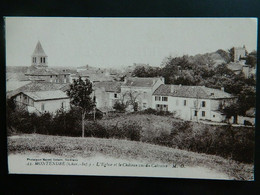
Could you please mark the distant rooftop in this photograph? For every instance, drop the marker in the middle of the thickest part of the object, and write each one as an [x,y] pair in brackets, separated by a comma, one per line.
[191,92]
[46,72]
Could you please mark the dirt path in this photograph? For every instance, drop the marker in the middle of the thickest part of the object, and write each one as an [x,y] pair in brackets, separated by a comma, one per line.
[43,163]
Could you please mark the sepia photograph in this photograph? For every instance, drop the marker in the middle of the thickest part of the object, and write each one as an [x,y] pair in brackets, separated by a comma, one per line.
[140,97]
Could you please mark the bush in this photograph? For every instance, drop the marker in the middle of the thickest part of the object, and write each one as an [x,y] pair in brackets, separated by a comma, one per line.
[120,107]
[132,130]
[154,112]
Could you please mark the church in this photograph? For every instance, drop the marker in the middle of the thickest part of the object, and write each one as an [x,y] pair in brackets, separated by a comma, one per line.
[39,70]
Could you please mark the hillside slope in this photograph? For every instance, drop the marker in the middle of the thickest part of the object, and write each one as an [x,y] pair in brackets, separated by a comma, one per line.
[122,149]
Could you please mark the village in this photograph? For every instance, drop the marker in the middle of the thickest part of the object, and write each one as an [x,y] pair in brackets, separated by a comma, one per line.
[101,95]
[43,89]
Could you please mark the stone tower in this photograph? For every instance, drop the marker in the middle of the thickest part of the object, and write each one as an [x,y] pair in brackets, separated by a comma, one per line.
[39,58]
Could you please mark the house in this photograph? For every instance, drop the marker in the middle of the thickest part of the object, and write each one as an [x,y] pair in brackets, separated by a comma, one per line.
[39,68]
[42,101]
[140,90]
[106,94]
[192,102]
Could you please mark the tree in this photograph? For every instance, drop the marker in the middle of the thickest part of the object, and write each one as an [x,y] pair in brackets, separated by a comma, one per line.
[251,59]
[79,94]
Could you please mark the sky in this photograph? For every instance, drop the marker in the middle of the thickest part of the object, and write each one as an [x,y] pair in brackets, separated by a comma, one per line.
[120,42]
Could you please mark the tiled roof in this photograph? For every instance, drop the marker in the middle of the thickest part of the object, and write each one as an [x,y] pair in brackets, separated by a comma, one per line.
[38,51]
[39,86]
[46,95]
[45,72]
[235,66]
[139,82]
[191,92]
[110,86]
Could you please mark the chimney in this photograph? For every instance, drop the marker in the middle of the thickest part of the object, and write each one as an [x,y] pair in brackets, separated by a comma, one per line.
[222,89]
[162,79]
[172,88]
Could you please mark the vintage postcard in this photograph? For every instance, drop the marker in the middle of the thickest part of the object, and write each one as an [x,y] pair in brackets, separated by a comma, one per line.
[143,97]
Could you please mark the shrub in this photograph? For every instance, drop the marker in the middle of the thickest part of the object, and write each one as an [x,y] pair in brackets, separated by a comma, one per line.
[94,129]
[132,130]
[120,107]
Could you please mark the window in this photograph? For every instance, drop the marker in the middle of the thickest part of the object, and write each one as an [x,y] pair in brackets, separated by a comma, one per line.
[51,76]
[203,104]
[195,113]
[115,95]
[144,105]
[64,76]
[203,113]
[157,98]
[43,60]
[42,107]
[165,99]
[214,116]
[162,107]
[185,102]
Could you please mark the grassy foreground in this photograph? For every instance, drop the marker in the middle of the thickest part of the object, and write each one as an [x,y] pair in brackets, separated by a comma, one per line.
[87,147]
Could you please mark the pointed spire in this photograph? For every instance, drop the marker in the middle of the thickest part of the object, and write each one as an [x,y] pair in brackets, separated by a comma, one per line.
[38,51]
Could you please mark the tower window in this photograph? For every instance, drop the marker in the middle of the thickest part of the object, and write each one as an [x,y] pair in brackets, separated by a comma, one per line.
[203,104]
[43,60]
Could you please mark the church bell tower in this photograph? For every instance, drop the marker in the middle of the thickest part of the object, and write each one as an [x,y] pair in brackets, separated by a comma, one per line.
[39,58]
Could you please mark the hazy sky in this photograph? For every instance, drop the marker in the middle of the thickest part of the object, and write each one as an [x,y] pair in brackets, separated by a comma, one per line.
[114,42]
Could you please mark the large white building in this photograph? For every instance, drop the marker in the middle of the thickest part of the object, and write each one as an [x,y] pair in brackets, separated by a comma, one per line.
[192,102]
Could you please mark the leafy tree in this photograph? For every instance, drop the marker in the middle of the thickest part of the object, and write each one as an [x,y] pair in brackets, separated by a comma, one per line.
[79,94]
[231,110]
[225,55]
[251,59]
